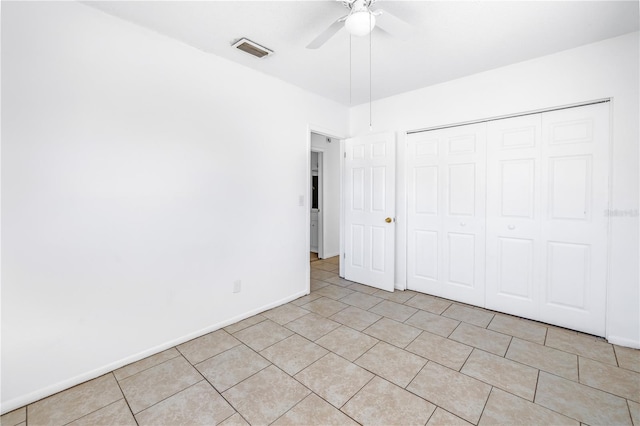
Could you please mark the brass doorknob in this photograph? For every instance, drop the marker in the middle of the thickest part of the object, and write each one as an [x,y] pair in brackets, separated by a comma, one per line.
[388,220]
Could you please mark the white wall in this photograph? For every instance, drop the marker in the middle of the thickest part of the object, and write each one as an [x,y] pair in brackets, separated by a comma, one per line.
[132,170]
[331,185]
[607,69]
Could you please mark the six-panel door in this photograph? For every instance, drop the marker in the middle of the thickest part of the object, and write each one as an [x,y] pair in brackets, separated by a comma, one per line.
[369,200]
[514,256]
[446,197]
[575,159]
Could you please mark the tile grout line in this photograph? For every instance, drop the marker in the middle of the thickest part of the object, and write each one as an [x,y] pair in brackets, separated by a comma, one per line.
[586,386]
[485,403]
[148,368]
[311,392]
[124,396]
[535,389]
[467,359]
[578,367]
[174,394]
[432,414]
[546,333]
[241,381]
[630,414]
[422,397]
[508,346]
[615,355]
[416,375]
[414,339]
[358,391]
[212,356]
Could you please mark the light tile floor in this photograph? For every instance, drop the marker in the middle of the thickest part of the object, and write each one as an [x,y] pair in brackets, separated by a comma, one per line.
[349,354]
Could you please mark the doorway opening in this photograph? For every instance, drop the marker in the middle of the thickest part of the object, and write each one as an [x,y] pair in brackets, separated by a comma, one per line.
[324,194]
[316,212]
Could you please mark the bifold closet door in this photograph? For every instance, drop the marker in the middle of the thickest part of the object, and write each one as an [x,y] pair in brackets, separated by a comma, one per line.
[515,266]
[575,172]
[446,213]
[546,227]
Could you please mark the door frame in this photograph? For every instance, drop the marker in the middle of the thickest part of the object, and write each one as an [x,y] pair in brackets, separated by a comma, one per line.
[333,134]
[321,174]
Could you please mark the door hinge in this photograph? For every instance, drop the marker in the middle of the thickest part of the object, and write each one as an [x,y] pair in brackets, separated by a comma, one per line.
[345,155]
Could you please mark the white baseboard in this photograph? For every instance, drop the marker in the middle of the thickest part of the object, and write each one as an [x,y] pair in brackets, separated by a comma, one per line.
[29,398]
[328,255]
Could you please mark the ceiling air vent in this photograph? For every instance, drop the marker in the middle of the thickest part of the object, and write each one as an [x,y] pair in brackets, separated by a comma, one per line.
[252,48]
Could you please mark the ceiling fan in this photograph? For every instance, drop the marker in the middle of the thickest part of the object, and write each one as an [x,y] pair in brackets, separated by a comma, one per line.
[361,20]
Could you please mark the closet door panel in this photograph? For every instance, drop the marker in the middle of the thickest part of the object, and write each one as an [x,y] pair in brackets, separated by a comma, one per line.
[515,272]
[513,214]
[446,204]
[461,259]
[547,186]
[424,242]
[462,189]
[425,249]
[464,218]
[575,156]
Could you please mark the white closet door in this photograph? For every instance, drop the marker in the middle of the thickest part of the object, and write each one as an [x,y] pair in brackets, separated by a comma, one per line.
[424,205]
[575,157]
[369,203]
[446,213]
[547,193]
[514,259]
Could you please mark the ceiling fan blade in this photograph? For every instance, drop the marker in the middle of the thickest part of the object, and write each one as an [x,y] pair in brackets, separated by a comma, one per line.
[393,25]
[327,34]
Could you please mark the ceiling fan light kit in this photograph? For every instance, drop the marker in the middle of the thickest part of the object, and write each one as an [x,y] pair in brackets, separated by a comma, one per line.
[361,20]
[360,23]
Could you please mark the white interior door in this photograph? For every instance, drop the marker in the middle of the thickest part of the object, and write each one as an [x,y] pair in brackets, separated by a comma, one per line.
[369,210]
[575,159]
[424,205]
[446,213]
[515,267]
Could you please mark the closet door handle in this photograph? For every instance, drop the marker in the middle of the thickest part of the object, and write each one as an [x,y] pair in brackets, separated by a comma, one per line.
[511,227]
[463,224]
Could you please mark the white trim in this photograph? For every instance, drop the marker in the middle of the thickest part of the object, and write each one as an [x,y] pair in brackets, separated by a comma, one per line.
[401,214]
[341,254]
[609,309]
[321,173]
[312,128]
[331,254]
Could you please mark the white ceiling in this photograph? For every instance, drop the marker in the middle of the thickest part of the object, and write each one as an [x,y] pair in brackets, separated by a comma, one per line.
[452,39]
